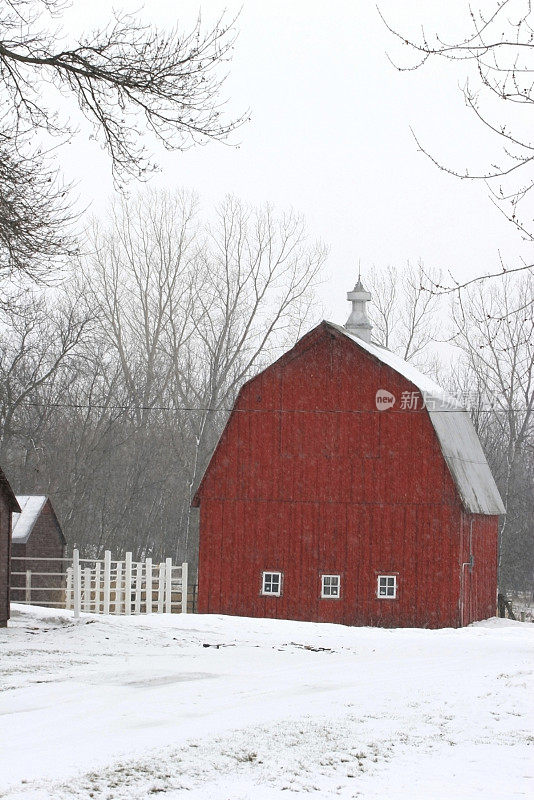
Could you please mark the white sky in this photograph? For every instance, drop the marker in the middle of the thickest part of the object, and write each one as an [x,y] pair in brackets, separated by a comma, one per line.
[330,137]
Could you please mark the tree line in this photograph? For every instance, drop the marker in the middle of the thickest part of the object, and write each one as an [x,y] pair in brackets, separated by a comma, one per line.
[115,385]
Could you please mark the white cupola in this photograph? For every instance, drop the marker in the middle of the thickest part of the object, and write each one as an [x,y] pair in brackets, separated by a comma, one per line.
[358,322]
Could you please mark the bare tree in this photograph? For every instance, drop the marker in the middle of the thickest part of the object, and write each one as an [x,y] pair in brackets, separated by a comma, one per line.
[39,340]
[35,219]
[495,57]
[497,341]
[258,273]
[188,309]
[130,80]
[34,344]
[141,278]
[405,317]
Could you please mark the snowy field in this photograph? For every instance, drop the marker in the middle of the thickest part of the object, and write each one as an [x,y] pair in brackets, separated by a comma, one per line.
[138,707]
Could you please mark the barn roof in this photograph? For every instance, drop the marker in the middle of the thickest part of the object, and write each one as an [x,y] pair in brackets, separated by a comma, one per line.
[31,506]
[456,434]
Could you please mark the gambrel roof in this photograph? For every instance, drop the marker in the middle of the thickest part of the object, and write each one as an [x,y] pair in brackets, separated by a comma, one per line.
[456,434]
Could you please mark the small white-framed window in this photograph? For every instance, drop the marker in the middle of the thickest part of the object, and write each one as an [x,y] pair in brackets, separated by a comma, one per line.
[330,586]
[387,587]
[271,583]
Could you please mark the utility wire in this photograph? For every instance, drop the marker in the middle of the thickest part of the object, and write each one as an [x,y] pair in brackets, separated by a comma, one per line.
[103,407]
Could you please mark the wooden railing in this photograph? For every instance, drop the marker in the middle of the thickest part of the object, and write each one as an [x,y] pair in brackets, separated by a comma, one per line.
[102,586]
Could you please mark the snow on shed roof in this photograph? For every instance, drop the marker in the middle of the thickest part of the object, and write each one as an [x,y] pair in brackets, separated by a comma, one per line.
[456,434]
[31,506]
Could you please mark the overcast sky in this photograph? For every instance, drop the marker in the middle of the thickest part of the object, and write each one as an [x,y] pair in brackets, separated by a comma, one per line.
[330,136]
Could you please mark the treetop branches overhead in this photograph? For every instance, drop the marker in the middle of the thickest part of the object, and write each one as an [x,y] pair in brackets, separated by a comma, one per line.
[129,79]
[496,50]
[500,43]
[128,69]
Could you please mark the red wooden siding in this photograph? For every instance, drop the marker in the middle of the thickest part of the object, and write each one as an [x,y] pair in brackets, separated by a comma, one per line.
[478,595]
[309,479]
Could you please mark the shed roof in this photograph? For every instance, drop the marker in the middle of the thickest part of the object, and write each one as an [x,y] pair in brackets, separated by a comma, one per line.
[456,434]
[31,506]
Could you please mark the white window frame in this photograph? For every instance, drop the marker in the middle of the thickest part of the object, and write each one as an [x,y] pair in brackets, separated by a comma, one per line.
[387,579]
[264,583]
[331,596]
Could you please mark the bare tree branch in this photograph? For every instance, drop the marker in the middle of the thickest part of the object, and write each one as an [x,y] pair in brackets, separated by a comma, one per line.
[499,44]
[137,85]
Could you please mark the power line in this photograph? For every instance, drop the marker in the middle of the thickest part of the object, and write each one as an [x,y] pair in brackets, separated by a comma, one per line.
[206,409]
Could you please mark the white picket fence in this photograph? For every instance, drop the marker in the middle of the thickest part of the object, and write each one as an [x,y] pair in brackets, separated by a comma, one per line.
[105,586]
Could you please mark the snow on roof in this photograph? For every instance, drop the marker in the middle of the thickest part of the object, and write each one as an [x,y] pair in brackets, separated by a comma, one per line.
[456,434]
[31,505]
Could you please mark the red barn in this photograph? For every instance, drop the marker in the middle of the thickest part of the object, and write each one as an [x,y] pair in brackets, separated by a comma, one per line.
[8,504]
[346,487]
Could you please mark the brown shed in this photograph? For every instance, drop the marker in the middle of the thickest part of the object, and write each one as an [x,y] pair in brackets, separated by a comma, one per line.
[8,504]
[37,534]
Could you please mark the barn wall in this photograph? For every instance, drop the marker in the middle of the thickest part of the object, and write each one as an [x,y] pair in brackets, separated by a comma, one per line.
[45,541]
[310,478]
[356,542]
[5,556]
[478,590]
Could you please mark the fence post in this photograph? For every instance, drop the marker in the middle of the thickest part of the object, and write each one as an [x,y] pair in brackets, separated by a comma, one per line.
[138,585]
[76,581]
[128,584]
[68,590]
[184,587]
[28,593]
[87,589]
[148,584]
[97,587]
[107,576]
[118,588]
[161,586]
[168,585]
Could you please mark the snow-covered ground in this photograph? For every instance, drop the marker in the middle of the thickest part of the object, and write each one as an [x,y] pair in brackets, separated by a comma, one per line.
[228,708]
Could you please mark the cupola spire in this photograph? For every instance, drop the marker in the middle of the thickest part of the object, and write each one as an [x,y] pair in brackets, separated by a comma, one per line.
[358,321]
